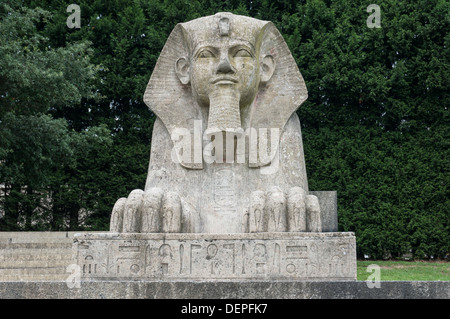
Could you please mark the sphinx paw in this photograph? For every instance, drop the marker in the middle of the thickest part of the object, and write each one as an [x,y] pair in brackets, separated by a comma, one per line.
[275,211]
[152,211]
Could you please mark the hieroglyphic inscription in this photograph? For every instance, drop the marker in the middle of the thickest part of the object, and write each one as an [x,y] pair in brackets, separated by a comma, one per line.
[224,191]
[221,258]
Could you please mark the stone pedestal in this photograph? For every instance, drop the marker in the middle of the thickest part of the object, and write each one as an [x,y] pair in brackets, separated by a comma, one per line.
[188,256]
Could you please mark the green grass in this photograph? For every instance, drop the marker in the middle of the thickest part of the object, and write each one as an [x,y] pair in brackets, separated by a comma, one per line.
[405,270]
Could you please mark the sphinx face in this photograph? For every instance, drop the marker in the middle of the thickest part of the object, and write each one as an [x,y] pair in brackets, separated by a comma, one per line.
[226,66]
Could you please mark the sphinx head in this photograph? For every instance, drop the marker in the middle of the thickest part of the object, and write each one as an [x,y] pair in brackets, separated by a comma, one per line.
[229,71]
[225,66]
[224,54]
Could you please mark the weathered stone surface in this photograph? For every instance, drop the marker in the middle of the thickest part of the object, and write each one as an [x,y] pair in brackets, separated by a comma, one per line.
[214,290]
[35,255]
[328,209]
[280,255]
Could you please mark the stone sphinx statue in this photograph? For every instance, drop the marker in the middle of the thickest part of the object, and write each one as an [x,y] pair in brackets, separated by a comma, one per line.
[226,153]
[226,195]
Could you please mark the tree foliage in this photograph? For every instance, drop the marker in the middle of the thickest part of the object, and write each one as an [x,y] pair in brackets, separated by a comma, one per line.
[35,76]
[375,125]
[376,121]
[40,154]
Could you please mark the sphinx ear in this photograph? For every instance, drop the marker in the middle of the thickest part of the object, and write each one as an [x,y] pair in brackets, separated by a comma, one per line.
[182,70]
[267,68]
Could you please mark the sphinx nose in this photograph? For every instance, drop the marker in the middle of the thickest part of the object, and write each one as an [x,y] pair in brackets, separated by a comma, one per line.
[225,66]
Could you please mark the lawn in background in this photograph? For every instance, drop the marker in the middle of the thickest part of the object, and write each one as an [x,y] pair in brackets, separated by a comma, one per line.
[406,270]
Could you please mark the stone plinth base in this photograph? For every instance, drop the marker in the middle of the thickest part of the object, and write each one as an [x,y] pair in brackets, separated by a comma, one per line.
[274,256]
[214,290]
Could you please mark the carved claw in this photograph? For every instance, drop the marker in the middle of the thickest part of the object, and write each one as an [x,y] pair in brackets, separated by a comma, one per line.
[313,220]
[275,210]
[171,213]
[256,212]
[272,211]
[152,211]
[116,224]
[297,209]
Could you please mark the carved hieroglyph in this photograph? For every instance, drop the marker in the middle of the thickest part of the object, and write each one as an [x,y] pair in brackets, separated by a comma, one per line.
[298,256]
[226,152]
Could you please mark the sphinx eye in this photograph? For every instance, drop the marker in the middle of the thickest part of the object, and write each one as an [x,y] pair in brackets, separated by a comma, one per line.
[206,54]
[242,53]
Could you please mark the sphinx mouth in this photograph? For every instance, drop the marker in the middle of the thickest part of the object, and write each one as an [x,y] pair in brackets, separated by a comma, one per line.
[224,80]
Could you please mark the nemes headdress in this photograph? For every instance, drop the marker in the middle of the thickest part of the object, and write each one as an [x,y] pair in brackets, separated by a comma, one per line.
[173,101]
